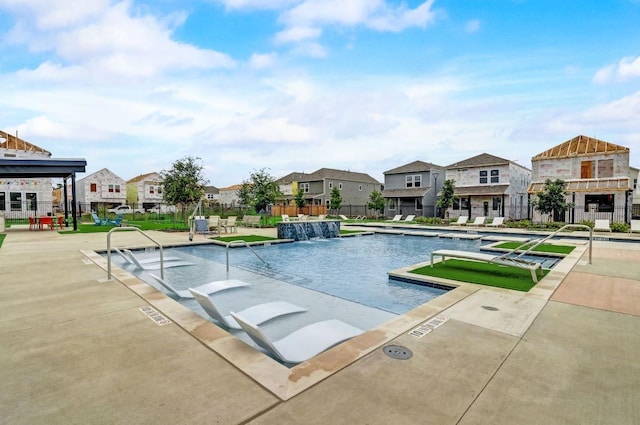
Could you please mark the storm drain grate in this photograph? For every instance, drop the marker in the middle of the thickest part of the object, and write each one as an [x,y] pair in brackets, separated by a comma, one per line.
[427,327]
[398,352]
[152,314]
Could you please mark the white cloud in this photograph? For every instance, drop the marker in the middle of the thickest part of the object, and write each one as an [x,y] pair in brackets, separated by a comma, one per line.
[627,69]
[257,4]
[472,26]
[262,61]
[297,34]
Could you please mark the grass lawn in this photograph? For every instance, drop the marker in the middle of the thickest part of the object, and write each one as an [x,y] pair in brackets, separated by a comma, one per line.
[2,236]
[142,225]
[246,238]
[480,273]
[555,249]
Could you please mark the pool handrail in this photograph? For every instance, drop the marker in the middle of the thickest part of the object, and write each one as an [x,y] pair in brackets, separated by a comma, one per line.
[542,240]
[242,242]
[158,244]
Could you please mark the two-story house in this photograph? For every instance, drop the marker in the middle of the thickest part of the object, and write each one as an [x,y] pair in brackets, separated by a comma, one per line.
[145,191]
[489,186]
[355,188]
[100,189]
[22,197]
[412,189]
[228,196]
[597,174]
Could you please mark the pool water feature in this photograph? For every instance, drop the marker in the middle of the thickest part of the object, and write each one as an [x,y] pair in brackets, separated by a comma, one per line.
[308,230]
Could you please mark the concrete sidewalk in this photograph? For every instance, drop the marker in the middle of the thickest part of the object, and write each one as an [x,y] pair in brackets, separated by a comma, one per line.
[76,349]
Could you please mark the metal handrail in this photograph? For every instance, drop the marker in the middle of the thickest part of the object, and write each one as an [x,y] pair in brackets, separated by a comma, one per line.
[145,235]
[244,243]
[542,240]
[192,222]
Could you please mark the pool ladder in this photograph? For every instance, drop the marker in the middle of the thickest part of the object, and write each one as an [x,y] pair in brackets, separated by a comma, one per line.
[158,244]
[243,243]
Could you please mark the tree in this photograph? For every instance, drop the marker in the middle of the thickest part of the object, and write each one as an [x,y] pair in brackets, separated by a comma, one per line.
[376,202]
[447,195]
[184,183]
[260,191]
[299,199]
[335,202]
[552,199]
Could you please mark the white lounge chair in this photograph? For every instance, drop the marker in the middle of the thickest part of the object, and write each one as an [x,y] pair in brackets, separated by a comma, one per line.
[207,288]
[601,226]
[533,267]
[285,217]
[479,221]
[410,218]
[635,226]
[343,217]
[257,314]
[497,222]
[396,218]
[462,221]
[155,265]
[303,343]
[143,260]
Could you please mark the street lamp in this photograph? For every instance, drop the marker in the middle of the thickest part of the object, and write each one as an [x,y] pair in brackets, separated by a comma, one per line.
[435,199]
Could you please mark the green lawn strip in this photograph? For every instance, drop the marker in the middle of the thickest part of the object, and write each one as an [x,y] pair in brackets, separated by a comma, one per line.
[348,232]
[481,273]
[246,238]
[2,236]
[142,225]
[555,249]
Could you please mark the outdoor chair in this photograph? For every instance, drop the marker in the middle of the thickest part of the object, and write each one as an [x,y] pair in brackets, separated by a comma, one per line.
[207,288]
[497,222]
[479,221]
[462,221]
[601,226]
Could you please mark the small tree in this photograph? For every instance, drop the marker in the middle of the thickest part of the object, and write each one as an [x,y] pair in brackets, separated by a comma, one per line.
[376,202]
[299,199]
[552,199]
[447,196]
[260,191]
[335,202]
[184,184]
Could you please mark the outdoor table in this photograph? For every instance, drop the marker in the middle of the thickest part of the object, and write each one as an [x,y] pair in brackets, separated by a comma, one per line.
[47,220]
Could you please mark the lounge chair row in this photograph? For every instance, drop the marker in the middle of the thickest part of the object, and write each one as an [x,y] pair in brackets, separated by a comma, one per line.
[296,347]
[463,220]
[398,217]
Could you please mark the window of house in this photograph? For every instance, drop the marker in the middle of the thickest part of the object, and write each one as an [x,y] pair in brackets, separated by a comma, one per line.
[418,203]
[483,177]
[392,204]
[159,190]
[304,187]
[587,170]
[340,186]
[413,181]
[635,183]
[93,187]
[3,201]
[409,180]
[152,190]
[15,199]
[495,176]
[330,185]
[117,188]
[360,188]
[464,203]
[110,188]
[605,168]
[32,201]
[598,203]
[496,203]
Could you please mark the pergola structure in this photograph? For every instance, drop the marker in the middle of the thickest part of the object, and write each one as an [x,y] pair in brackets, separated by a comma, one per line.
[47,168]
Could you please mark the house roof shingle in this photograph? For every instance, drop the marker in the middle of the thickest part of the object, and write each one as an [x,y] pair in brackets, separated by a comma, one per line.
[580,146]
[415,192]
[498,189]
[328,173]
[412,167]
[615,184]
[482,160]
[141,177]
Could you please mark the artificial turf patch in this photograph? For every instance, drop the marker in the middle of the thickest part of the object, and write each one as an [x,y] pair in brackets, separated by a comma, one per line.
[481,273]
[2,236]
[545,247]
[348,232]
[246,238]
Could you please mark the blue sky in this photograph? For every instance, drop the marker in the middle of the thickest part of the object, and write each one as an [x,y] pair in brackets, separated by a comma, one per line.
[297,85]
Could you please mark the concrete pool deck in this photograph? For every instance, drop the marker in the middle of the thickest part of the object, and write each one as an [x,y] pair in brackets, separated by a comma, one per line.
[77,349]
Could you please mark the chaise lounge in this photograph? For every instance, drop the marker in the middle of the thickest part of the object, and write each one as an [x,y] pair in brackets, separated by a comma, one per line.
[155,265]
[601,226]
[257,314]
[302,344]
[207,288]
[462,221]
[504,259]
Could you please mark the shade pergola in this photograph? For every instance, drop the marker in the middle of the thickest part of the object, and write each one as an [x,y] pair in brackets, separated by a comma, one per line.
[44,168]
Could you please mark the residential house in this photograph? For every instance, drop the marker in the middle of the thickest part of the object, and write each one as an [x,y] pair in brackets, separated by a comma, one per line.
[634,175]
[23,197]
[411,189]
[489,186]
[145,191]
[355,188]
[228,196]
[598,179]
[100,189]
[212,194]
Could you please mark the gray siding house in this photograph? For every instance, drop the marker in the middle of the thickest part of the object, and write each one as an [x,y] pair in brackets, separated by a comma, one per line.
[411,189]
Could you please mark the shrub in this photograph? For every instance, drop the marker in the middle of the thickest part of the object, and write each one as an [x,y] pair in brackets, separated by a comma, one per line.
[620,227]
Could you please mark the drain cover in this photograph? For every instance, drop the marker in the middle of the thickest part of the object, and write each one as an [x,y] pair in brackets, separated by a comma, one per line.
[398,352]
[490,308]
